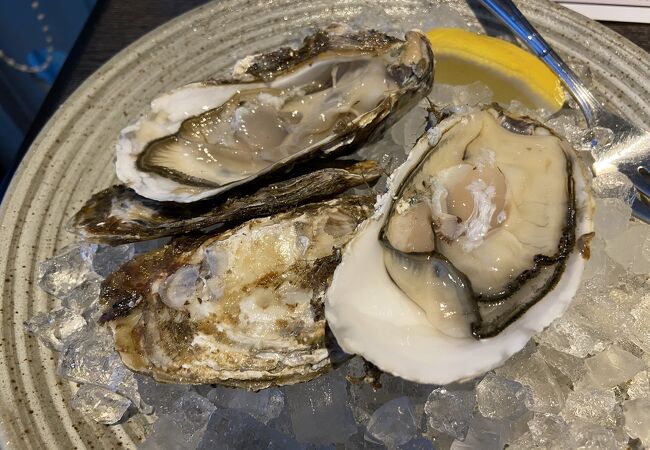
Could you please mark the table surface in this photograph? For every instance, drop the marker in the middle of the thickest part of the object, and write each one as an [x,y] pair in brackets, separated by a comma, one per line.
[114,24]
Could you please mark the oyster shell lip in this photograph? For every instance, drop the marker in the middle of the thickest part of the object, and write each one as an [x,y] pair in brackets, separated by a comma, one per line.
[321,362]
[405,332]
[337,39]
[414,75]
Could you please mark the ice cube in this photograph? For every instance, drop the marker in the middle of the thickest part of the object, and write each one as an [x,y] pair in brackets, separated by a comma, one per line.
[546,394]
[473,94]
[627,248]
[596,265]
[484,434]
[640,326]
[639,386]
[614,185]
[389,154]
[516,427]
[84,297]
[500,398]
[67,269]
[445,95]
[548,429]
[182,425]
[605,309]
[637,419]
[100,404]
[520,109]
[450,412]
[417,393]
[191,413]
[393,424]
[406,132]
[566,123]
[233,430]
[572,334]
[588,436]
[611,367]
[442,94]
[570,366]
[365,398]
[611,218]
[161,396]
[523,442]
[592,139]
[378,18]
[437,15]
[264,405]
[89,358]
[166,435]
[109,258]
[55,327]
[319,410]
[610,274]
[597,406]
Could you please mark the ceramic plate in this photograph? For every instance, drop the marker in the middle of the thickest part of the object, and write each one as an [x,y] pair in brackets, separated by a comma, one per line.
[72,158]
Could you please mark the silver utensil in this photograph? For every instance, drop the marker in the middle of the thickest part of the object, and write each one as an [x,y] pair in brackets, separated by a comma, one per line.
[626,149]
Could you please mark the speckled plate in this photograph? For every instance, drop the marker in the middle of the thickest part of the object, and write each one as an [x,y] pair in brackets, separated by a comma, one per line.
[72,158]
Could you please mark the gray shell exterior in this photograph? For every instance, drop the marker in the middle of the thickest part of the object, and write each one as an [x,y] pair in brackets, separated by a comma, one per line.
[118,215]
[212,338]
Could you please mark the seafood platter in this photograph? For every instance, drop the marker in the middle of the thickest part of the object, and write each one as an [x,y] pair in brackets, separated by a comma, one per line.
[337,245]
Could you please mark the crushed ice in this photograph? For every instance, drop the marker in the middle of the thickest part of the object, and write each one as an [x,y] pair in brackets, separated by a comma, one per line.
[582,383]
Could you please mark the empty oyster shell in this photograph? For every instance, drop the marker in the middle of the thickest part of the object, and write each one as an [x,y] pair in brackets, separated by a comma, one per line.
[477,245]
[118,215]
[242,308]
[334,93]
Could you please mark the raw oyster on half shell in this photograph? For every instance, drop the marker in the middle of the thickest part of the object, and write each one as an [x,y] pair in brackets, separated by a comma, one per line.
[118,215]
[336,92]
[242,308]
[477,245]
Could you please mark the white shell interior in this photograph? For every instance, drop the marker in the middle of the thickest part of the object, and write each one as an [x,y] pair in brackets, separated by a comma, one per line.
[372,317]
[168,111]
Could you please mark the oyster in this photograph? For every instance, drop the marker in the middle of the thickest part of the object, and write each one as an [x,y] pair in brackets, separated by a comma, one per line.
[339,90]
[477,245]
[242,308]
[118,215]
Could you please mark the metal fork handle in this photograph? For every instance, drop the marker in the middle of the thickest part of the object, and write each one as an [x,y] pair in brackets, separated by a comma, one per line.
[512,18]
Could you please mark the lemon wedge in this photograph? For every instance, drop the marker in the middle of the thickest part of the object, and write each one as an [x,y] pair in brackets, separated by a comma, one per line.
[463,57]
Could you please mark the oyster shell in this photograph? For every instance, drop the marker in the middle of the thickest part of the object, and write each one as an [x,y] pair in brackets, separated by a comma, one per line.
[339,90]
[118,215]
[477,245]
[241,308]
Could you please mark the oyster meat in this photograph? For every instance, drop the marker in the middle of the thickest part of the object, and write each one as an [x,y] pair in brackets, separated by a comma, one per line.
[477,245]
[118,215]
[338,91]
[242,308]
